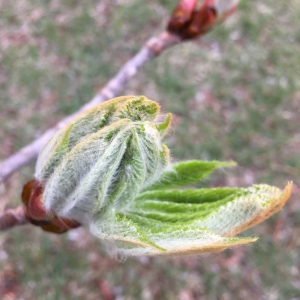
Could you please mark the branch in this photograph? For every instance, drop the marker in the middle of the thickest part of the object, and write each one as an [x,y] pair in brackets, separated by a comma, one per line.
[152,48]
[13,217]
[186,22]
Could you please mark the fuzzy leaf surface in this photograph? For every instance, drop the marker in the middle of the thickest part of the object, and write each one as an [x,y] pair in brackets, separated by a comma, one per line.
[192,221]
[187,173]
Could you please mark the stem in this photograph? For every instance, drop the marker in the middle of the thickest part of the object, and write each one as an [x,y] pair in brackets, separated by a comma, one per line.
[12,217]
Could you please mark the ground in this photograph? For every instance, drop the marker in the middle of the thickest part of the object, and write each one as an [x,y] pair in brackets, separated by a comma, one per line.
[234,94]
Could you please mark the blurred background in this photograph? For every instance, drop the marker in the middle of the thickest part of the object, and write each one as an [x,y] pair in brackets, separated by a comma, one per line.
[234,94]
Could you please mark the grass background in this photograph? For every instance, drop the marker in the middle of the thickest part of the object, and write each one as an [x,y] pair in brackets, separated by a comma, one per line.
[235,95]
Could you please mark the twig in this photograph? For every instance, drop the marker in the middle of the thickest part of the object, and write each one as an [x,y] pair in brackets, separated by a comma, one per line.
[152,48]
[186,22]
[13,217]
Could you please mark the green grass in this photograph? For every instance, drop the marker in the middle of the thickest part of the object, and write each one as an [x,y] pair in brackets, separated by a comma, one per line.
[234,95]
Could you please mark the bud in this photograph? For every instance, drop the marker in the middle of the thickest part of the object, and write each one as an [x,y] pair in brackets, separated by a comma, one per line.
[181,15]
[102,159]
[188,22]
[109,170]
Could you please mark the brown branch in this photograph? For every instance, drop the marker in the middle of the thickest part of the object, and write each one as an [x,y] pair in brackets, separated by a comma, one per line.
[13,217]
[152,48]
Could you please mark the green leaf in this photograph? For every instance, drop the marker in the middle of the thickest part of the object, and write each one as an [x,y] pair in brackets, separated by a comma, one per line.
[163,127]
[134,108]
[130,237]
[183,206]
[186,173]
[175,221]
[53,152]
[196,196]
[225,211]
[138,108]
[123,234]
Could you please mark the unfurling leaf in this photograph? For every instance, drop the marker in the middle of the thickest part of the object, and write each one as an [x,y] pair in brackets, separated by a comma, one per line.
[108,169]
[186,173]
[192,221]
[102,159]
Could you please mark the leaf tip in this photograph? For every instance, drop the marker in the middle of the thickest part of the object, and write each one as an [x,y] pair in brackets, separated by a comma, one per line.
[163,127]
